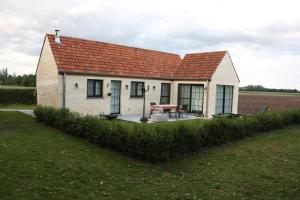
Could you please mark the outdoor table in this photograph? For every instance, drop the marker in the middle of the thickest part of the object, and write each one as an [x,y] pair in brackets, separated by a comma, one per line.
[162,107]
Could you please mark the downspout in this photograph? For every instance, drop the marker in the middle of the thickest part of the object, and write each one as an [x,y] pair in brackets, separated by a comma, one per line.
[207,94]
[64,90]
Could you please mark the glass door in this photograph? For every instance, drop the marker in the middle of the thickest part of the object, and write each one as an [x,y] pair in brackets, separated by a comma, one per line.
[184,95]
[191,96]
[115,97]
[197,98]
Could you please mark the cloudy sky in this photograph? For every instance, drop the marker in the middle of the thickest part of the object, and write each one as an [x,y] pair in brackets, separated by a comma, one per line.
[263,37]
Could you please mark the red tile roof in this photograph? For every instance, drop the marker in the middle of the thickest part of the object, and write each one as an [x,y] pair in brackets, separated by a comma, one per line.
[93,57]
[199,65]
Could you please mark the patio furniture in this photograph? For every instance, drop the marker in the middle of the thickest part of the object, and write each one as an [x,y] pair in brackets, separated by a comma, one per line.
[162,107]
[166,110]
[159,117]
[182,110]
[152,104]
[199,114]
[173,111]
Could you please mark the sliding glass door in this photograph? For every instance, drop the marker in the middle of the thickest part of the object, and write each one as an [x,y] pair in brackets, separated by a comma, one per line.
[224,98]
[197,98]
[191,96]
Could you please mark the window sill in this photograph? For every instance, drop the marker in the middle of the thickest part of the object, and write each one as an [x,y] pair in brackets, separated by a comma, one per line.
[136,97]
[94,97]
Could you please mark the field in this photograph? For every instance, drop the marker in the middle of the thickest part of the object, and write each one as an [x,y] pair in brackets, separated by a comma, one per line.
[257,101]
[38,162]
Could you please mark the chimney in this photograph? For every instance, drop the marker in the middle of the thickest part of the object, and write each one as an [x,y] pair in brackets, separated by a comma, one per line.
[57,37]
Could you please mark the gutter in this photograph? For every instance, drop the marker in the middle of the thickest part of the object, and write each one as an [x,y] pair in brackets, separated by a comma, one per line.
[131,76]
[207,94]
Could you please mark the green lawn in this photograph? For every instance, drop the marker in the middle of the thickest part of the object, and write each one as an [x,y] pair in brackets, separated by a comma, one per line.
[37,162]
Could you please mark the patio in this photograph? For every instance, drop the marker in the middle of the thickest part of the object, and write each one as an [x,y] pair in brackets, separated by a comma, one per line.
[136,118]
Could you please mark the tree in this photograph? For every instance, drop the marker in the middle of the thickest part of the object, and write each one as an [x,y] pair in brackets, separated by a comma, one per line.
[260,88]
[13,79]
[3,75]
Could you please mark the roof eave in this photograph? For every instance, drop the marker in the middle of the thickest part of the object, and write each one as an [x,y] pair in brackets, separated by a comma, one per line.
[133,76]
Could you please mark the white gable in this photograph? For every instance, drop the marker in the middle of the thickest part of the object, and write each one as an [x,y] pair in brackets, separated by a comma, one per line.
[225,72]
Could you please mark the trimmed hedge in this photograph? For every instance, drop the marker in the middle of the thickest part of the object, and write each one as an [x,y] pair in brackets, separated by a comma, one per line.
[17,96]
[161,141]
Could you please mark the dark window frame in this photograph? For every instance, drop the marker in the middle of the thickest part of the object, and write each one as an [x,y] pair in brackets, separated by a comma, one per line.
[94,88]
[224,91]
[190,97]
[161,93]
[119,99]
[136,95]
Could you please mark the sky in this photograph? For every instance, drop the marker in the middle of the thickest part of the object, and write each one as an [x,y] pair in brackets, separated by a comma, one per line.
[262,37]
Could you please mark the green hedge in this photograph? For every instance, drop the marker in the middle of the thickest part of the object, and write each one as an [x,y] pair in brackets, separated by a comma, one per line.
[17,96]
[161,141]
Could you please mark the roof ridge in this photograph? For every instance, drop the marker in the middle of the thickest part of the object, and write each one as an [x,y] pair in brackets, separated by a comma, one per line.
[204,52]
[120,45]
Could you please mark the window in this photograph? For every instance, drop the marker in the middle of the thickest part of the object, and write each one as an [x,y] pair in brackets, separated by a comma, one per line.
[136,89]
[224,97]
[191,96]
[94,88]
[165,93]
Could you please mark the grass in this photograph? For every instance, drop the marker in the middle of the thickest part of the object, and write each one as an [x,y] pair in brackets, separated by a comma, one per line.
[17,106]
[37,162]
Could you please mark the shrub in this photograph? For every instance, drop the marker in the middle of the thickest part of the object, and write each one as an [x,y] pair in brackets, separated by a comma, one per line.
[161,141]
[17,96]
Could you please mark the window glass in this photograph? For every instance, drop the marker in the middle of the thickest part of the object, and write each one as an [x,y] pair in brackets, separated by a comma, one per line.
[139,89]
[133,89]
[165,93]
[97,88]
[94,88]
[90,89]
[136,89]
[192,96]
[224,96]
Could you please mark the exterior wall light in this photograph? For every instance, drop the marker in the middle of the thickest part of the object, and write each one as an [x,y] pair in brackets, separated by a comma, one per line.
[126,87]
[154,87]
[76,85]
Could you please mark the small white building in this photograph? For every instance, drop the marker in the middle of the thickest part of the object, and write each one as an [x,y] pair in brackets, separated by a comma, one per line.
[92,77]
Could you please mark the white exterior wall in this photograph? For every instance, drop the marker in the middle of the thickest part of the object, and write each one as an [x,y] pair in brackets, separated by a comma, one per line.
[47,78]
[77,100]
[224,75]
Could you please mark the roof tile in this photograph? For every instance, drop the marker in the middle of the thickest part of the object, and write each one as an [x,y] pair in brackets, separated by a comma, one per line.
[86,56]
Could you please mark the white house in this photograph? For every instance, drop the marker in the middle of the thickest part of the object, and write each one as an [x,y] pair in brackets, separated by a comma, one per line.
[92,77]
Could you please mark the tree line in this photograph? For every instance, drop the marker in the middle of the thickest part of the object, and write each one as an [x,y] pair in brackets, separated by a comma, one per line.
[260,88]
[27,80]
